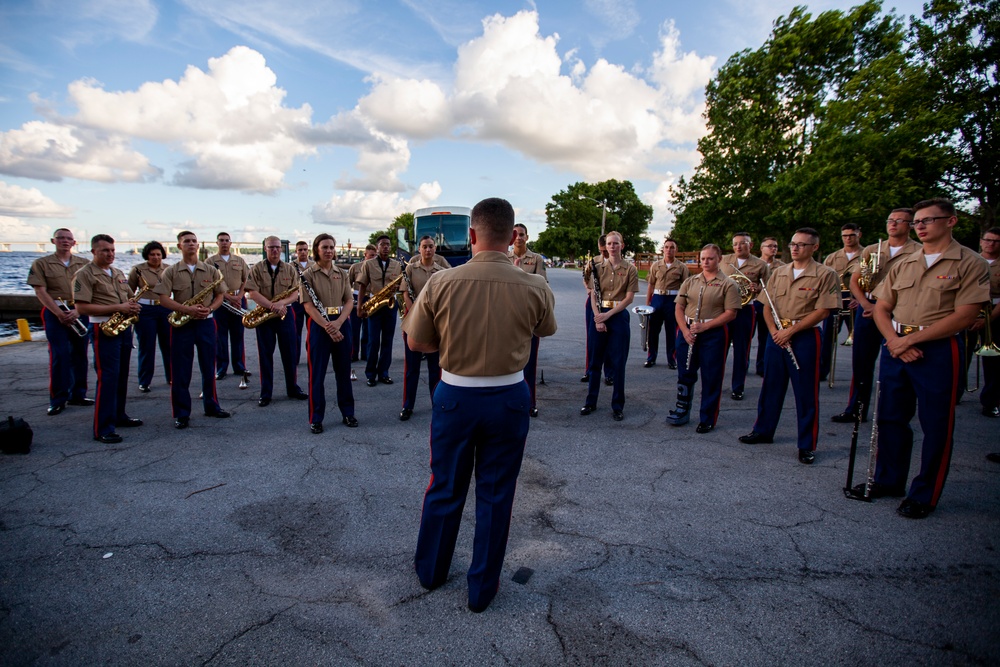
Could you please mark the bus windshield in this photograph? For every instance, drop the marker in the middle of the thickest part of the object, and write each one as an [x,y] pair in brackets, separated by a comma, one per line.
[450,232]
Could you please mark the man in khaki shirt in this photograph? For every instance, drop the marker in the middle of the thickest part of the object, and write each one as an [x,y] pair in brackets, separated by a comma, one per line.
[533,263]
[741,330]
[843,260]
[768,252]
[152,326]
[989,398]
[228,319]
[802,293]
[925,300]
[301,262]
[65,330]
[481,316]
[359,326]
[375,274]
[664,279]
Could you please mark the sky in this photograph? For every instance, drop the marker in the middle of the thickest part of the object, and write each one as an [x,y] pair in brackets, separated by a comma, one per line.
[141,118]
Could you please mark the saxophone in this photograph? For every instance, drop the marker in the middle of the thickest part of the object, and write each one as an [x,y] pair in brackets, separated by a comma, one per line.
[178,319]
[256,317]
[382,298]
[119,322]
[869,271]
[400,302]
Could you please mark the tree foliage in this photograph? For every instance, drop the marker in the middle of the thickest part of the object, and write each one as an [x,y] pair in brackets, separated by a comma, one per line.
[573,225]
[401,221]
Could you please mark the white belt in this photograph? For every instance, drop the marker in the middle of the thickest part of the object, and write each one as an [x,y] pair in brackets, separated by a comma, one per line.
[97,319]
[906,329]
[665,292]
[692,321]
[481,380]
[355,292]
[996,301]
[149,302]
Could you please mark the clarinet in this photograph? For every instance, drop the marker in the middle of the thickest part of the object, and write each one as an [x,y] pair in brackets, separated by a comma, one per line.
[873,445]
[777,323]
[312,294]
[597,283]
[697,314]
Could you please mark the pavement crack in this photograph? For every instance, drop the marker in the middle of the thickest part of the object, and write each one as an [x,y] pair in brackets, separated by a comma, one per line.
[244,631]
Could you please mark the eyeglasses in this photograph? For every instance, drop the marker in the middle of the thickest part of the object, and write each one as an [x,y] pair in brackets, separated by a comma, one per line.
[276,247]
[896,221]
[927,221]
[799,246]
[848,236]
[990,240]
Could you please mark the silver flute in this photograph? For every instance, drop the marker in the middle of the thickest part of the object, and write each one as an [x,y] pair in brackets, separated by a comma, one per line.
[697,315]
[873,445]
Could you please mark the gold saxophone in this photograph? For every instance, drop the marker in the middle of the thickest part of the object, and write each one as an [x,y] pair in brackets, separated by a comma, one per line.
[382,298]
[178,319]
[869,270]
[119,322]
[260,314]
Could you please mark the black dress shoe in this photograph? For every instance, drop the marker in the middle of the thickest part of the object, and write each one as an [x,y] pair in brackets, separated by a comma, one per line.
[144,388]
[480,608]
[55,409]
[911,509]
[672,366]
[586,410]
[585,378]
[350,421]
[263,402]
[533,412]
[737,395]
[878,491]
[704,428]
[618,415]
[182,422]
[220,375]
[649,364]
[372,382]
[108,438]
[85,402]
[843,418]
[405,414]
[994,457]
[991,412]
[316,428]
[218,414]
[385,379]
[755,438]
[609,381]
[806,456]
[129,422]
[299,395]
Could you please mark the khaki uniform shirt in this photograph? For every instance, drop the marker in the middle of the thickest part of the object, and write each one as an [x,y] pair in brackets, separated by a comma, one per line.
[418,275]
[587,270]
[332,287]
[775,263]
[794,298]
[662,277]
[286,278]
[371,274]
[839,262]
[235,271]
[995,283]
[353,273]
[150,275]
[57,278]
[921,296]
[481,316]
[529,263]
[754,268]
[181,284]
[92,285]
[617,283]
[721,294]
[888,260]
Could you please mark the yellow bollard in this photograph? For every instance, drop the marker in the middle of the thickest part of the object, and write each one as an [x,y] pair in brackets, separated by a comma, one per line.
[22,328]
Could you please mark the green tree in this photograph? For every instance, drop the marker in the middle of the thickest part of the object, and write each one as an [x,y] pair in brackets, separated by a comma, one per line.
[573,225]
[401,221]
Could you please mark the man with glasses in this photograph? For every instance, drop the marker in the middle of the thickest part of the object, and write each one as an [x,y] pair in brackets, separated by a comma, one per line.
[375,274]
[845,259]
[298,312]
[228,324]
[270,279]
[65,329]
[926,299]
[867,339]
[802,293]
[768,252]
[664,279]
[990,396]
[741,329]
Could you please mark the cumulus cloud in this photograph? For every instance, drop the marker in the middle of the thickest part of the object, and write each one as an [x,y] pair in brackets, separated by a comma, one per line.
[659,199]
[29,203]
[18,231]
[372,210]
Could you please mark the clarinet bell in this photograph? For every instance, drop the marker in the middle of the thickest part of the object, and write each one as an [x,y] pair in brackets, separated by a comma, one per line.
[243,381]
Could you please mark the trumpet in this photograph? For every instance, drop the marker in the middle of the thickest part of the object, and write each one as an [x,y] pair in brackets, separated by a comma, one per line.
[178,319]
[78,327]
[644,312]
[382,298]
[118,322]
[235,310]
[256,317]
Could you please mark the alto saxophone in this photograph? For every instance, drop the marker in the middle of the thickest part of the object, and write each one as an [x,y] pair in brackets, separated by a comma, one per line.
[119,322]
[178,319]
[382,298]
[869,270]
[256,317]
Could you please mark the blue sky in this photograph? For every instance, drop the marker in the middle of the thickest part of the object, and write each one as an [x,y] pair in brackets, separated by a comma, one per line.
[140,118]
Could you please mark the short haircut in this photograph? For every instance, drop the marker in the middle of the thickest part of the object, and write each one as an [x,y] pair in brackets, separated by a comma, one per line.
[903,210]
[301,243]
[810,232]
[383,236]
[61,229]
[426,237]
[493,220]
[97,238]
[670,240]
[854,227]
[770,238]
[268,238]
[746,234]
[942,203]
[370,246]
[602,241]
[711,246]
[181,235]
[319,239]
[151,246]
[992,230]
[223,234]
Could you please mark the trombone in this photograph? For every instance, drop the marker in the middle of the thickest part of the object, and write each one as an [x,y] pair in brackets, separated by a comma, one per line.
[988,347]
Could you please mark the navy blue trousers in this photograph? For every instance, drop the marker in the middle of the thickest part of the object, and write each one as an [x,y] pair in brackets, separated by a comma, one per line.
[864,353]
[381,331]
[662,317]
[280,332]
[762,335]
[831,332]
[741,333]
[112,355]
[299,313]
[229,337]
[588,321]
[67,360]
[481,430]
[930,388]
[153,328]
[200,335]
[709,356]
[531,369]
[778,370]
[359,333]
[411,373]
[320,350]
[610,353]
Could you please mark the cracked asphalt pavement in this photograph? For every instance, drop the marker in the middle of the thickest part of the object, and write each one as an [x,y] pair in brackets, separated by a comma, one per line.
[250,541]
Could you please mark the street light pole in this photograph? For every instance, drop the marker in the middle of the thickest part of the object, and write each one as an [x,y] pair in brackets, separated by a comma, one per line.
[604,209]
